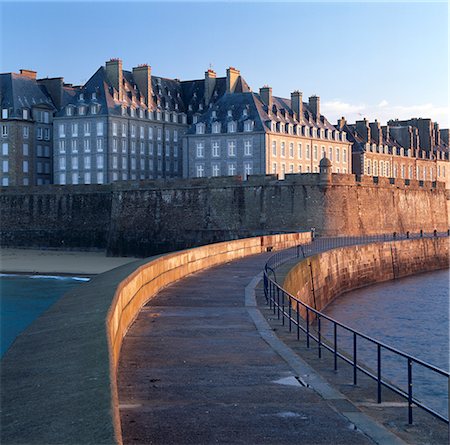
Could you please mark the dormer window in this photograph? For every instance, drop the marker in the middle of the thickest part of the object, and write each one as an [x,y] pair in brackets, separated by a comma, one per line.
[190,107]
[194,119]
[94,96]
[158,115]
[244,112]
[200,107]
[306,131]
[176,106]
[132,112]
[124,111]
[69,111]
[93,109]
[343,136]
[230,113]
[24,113]
[183,118]
[231,127]
[81,96]
[200,128]
[81,111]
[216,127]
[167,116]
[214,114]
[248,125]
[141,113]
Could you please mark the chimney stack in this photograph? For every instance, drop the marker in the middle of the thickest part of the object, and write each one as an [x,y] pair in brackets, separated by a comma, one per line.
[142,75]
[266,96]
[232,78]
[314,104]
[210,83]
[375,131]
[29,73]
[114,75]
[341,123]
[363,129]
[297,104]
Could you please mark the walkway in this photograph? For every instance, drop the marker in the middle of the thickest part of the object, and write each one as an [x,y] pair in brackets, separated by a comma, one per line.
[195,370]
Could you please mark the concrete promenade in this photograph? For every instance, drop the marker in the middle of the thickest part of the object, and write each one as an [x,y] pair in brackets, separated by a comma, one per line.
[195,369]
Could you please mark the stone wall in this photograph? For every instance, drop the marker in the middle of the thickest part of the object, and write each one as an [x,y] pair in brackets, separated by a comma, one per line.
[321,278]
[152,217]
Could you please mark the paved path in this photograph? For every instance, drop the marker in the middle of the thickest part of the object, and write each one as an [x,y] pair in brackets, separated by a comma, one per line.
[195,370]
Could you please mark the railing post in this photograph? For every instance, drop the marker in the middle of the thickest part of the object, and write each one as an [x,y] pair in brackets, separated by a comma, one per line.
[307,327]
[335,346]
[410,392]
[282,307]
[290,314]
[378,373]
[319,336]
[298,322]
[278,302]
[355,369]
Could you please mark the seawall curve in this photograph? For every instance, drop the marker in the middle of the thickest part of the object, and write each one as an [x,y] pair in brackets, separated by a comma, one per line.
[319,279]
[59,378]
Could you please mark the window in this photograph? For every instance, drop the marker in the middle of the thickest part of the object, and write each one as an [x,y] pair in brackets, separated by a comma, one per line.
[344,155]
[87,145]
[62,131]
[99,144]
[133,131]
[25,149]
[142,148]
[40,133]
[124,130]
[175,152]
[74,178]
[283,170]
[248,126]
[87,129]
[99,128]
[175,135]
[133,163]
[115,145]
[69,111]
[274,167]
[26,181]
[47,134]
[291,149]
[124,162]
[4,113]
[291,168]
[274,148]
[150,132]
[247,148]
[100,162]
[87,162]
[283,149]
[115,162]
[167,135]
[159,137]
[100,179]
[299,168]
[308,152]
[231,127]
[75,162]
[215,149]
[141,132]
[159,150]
[167,151]
[81,112]
[216,127]
[338,155]
[231,169]
[300,152]
[4,130]
[133,146]
[114,129]
[87,178]
[215,168]
[5,148]
[200,150]
[323,151]
[200,128]
[5,166]
[231,148]
[93,109]
[248,168]
[330,153]
[62,146]
[200,170]
[62,178]
[315,152]
[124,146]
[142,164]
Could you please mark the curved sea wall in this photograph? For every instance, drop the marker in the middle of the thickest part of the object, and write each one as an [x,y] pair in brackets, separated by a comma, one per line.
[319,279]
[58,379]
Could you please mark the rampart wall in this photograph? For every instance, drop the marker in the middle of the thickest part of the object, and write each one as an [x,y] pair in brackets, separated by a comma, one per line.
[319,279]
[147,218]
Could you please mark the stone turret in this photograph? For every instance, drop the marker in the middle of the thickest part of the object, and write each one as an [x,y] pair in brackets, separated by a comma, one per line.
[325,169]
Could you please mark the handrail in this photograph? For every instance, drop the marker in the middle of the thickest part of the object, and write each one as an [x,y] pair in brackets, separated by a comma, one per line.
[275,296]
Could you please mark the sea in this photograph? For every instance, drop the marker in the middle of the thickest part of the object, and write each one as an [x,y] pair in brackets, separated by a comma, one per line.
[23,298]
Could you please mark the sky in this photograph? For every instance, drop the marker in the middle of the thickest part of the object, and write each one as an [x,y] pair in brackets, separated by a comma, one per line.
[379,60]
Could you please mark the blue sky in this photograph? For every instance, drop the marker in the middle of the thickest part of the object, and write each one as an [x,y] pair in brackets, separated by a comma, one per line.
[374,59]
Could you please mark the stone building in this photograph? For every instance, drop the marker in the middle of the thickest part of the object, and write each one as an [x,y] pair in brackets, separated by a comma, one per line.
[235,131]
[395,151]
[121,125]
[26,130]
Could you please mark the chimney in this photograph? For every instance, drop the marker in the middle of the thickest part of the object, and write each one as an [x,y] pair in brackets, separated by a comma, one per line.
[28,73]
[114,75]
[210,83]
[55,89]
[142,75]
[341,123]
[297,104]
[375,131]
[363,129]
[314,104]
[232,78]
[266,96]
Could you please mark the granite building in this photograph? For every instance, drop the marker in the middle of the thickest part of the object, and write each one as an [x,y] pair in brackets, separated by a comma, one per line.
[235,131]
[26,130]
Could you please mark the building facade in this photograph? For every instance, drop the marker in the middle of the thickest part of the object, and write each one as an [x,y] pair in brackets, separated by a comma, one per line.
[26,130]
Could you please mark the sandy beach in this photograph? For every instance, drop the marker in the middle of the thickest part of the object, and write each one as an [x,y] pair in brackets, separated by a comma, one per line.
[35,261]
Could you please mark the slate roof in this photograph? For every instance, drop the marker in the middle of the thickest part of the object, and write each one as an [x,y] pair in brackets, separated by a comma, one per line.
[18,91]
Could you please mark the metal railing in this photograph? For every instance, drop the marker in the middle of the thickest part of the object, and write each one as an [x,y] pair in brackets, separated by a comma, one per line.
[286,307]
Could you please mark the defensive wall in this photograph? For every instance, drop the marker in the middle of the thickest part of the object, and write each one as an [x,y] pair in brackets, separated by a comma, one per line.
[321,278]
[151,217]
[65,362]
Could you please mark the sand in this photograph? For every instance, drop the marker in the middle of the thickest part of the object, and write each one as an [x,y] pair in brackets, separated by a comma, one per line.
[57,262]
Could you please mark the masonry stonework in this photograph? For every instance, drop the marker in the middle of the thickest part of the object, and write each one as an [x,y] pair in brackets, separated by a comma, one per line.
[151,217]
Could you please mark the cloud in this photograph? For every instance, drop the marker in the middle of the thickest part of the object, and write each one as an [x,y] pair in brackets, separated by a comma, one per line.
[384,111]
